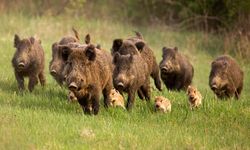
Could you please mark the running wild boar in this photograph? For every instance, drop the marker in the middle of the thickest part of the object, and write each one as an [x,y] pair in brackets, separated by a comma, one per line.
[176,70]
[226,77]
[28,61]
[88,73]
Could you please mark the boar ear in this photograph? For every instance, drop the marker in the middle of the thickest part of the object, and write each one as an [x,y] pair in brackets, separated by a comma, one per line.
[140,46]
[32,40]
[76,33]
[90,52]
[164,50]
[176,49]
[225,64]
[212,63]
[87,39]
[116,57]
[117,43]
[16,40]
[65,52]
[54,46]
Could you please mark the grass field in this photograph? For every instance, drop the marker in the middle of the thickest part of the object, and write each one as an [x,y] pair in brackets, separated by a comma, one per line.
[45,120]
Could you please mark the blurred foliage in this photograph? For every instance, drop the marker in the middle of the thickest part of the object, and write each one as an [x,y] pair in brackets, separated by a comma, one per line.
[228,18]
[183,14]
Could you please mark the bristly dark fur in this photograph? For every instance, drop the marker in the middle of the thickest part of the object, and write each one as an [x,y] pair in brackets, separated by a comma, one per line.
[30,54]
[176,70]
[226,77]
[132,73]
[136,45]
[91,72]
[58,62]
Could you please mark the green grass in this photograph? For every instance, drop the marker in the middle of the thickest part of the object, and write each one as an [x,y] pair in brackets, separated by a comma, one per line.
[45,120]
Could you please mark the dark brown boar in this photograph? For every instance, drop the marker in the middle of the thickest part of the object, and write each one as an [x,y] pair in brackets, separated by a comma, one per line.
[226,77]
[88,73]
[133,46]
[58,62]
[176,70]
[131,74]
[28,61]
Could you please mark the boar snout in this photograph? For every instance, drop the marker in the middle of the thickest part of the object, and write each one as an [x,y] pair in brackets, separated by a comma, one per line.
[53,72]
[192,96]
[72,86]
[120,85]
[21,65]
[214,87]
[165,69]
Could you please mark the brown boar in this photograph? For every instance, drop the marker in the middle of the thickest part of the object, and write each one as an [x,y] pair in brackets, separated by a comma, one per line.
[58,60]
[28,61]
[88,73]
[194,97]
[130,75]
[176,70]
[162,104]
[226,77]
[133,46]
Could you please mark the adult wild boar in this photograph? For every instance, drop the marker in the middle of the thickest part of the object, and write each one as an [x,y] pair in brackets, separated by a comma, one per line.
[131,74]
[28,61]
[176,70]
[58,59]
[88,73]
[133,46]
[226,77]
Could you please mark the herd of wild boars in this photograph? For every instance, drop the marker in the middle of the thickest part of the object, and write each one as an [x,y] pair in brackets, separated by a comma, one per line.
[89,72]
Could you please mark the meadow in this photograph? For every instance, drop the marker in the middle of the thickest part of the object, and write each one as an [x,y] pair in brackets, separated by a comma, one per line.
[44,119]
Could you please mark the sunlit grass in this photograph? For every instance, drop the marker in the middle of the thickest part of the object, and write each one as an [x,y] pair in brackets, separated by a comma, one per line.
[45,120]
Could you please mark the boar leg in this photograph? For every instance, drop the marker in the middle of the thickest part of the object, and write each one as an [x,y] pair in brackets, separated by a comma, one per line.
[156,76]
[230,92]
[131,98]
[106,93]
[32,82]
[237,93]
[140,94]
[178,84]
[20,81]
[95,104]
[84,102]
[146,91]
[42,78]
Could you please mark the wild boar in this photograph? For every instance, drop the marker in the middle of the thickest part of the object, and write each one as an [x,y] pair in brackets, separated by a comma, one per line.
[226,77]
[162,104]
[88,73]
[116,99]
[58,60]
[176,70]
[130,75]
[28,61]
[133,46]
[194,97]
